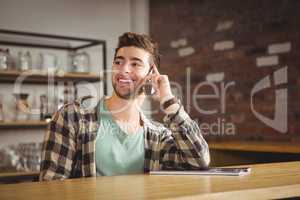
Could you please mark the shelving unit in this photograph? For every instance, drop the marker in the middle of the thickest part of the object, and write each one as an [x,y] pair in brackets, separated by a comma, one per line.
[58,42]
[47,41]
[40,78]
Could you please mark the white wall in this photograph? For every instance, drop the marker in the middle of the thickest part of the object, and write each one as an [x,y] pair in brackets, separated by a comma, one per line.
[99,19]
[139,16]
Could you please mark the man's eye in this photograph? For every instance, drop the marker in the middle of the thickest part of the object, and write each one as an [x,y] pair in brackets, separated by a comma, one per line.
[136,65]
[116,62]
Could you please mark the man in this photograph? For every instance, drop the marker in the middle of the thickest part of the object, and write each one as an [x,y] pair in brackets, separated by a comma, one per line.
[115,137]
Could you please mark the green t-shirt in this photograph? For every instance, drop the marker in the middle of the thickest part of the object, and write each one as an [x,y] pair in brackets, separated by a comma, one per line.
[116,152]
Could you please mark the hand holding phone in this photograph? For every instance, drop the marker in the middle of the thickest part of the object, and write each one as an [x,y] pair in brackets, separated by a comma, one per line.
[156,85]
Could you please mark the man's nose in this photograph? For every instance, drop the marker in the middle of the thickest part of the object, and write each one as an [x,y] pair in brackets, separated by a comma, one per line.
[125,67]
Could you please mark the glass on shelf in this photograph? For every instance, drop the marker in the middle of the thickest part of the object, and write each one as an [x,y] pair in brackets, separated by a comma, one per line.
[24,61]
[48,62]
[35,110]
[46,108]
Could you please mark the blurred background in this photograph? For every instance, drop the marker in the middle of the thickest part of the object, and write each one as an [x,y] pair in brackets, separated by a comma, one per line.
[234,65]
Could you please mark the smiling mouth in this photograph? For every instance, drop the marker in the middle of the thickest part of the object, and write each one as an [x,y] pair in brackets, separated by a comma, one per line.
[125,81]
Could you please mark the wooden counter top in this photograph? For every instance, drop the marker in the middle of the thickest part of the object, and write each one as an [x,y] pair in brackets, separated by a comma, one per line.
[266,181]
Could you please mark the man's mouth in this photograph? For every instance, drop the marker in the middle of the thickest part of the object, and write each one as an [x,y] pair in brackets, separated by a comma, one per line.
[125,81]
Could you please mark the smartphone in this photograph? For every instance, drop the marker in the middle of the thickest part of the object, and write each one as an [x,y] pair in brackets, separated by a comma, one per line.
[148,88]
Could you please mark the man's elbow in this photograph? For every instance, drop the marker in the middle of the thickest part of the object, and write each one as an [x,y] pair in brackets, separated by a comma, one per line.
[205,159]
[44,177]
[48,175]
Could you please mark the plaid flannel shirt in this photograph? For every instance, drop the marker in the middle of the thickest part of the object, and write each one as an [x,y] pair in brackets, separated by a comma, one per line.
[69,143]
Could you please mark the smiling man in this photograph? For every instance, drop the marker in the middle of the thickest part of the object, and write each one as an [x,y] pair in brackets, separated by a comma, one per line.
[115,137]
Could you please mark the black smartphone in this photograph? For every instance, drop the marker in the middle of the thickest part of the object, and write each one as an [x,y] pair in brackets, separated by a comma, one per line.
[148,87]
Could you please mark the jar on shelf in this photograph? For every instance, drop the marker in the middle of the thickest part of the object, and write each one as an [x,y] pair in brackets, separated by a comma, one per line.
[80,62]
[24,61]
[5,59]
[22,109]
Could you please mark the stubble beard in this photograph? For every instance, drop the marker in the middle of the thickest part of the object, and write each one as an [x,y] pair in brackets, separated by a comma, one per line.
[131,94]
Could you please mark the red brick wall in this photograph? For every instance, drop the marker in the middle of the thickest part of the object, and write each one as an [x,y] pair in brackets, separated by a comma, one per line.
[189,27]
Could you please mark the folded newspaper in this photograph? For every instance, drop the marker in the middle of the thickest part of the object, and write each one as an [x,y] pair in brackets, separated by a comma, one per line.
[210,171]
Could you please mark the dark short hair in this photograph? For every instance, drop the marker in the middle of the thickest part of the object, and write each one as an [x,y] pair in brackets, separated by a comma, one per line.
[140,41]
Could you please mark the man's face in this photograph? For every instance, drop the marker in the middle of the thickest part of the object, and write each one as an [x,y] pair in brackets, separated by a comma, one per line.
[130,67]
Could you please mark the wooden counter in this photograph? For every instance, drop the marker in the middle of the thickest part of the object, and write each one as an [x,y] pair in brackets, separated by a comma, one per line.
[274,147]
[15,177]
[266,181]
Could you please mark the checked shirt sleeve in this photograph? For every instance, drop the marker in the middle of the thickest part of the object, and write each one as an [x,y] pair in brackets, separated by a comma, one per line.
[182,144]
[59,145]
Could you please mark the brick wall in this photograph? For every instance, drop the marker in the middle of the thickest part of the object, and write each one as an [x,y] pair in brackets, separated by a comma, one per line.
[228,50]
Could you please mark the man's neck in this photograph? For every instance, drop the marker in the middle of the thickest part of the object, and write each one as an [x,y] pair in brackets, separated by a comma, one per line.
[126,110]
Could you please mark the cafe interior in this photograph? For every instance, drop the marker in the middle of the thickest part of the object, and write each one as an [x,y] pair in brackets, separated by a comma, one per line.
[234,66]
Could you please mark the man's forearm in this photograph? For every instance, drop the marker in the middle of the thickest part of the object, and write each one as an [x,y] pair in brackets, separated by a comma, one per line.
[188,137]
